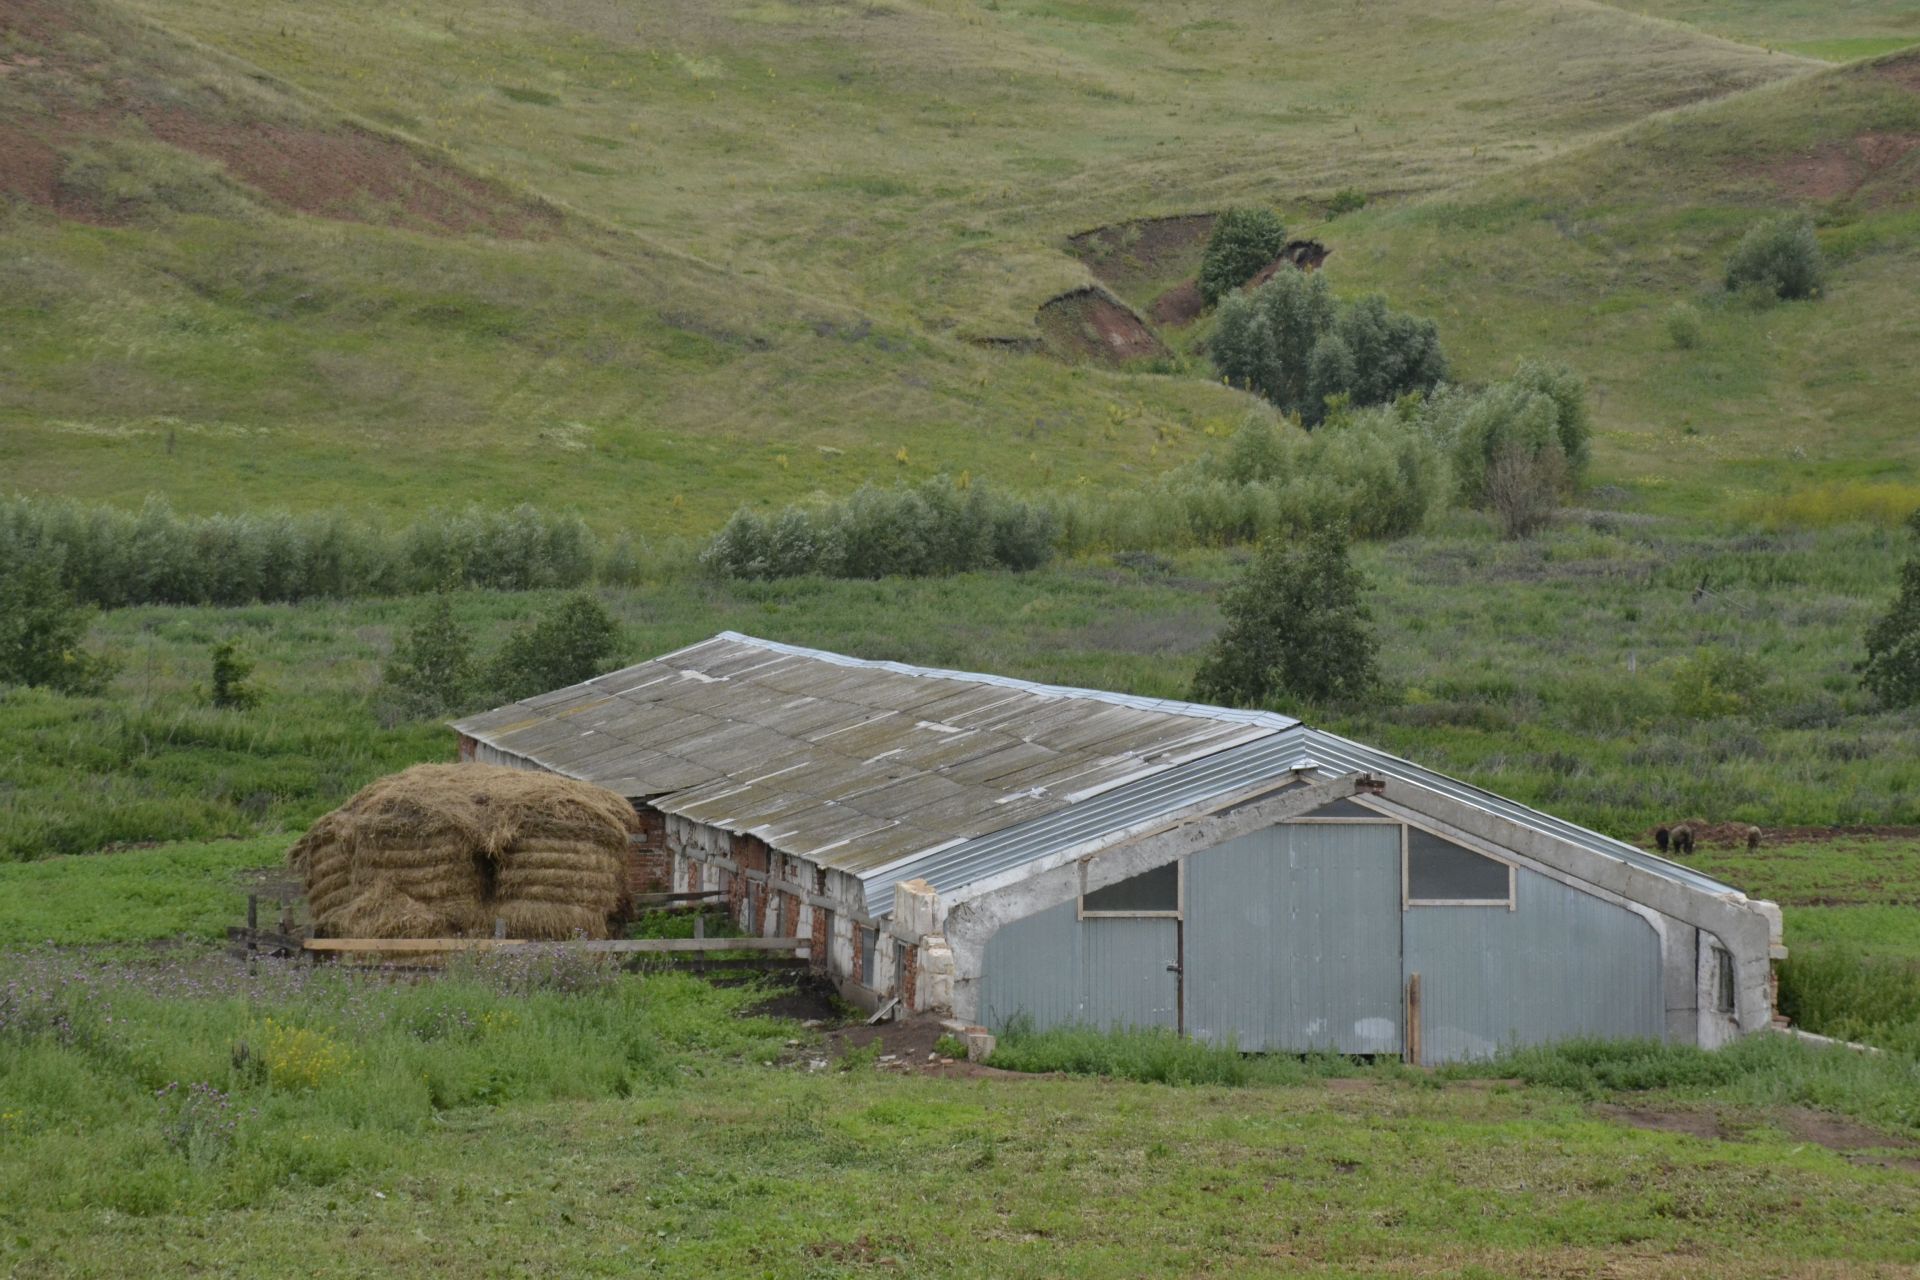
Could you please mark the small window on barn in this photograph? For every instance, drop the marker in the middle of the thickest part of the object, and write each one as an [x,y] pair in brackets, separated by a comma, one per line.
[1441,873]
[1151,893]
[1722,980]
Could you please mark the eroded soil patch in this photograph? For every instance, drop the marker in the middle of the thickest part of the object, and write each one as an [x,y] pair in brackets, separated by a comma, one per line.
[1869,165]
[1126,254]
[272,146]
[1091,324]
[1183,304]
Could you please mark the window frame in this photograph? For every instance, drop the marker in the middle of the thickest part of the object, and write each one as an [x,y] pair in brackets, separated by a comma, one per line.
[1179,911]
[1408,902]
[1726,987]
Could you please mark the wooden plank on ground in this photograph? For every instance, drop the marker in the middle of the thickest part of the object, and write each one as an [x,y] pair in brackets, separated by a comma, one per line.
[617,946]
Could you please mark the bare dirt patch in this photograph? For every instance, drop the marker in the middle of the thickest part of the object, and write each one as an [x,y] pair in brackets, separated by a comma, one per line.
[1734,834]
[1299,255]
[1126,254]
[1818,1127]
[328,169]
[1180,305]
[1867,166]
[1903,71]
[1092,325]
[352,175]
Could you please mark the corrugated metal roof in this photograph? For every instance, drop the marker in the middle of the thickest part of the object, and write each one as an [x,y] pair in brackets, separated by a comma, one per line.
[852,763]
[892,772]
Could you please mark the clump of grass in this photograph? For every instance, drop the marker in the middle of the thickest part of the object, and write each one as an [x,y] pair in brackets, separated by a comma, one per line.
[1886,504]
[1838,991]
[1154,1055]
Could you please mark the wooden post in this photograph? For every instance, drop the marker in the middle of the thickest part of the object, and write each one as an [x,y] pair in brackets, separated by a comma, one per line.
[1413,1019]
[253,911]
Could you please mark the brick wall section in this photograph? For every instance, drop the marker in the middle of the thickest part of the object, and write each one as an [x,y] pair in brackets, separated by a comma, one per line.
[908,978]
[649,865]
[822,937]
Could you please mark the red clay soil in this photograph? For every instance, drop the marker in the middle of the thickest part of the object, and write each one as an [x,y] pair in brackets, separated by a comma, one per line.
[1861,165]
[1146,249]
[1092,325]
[339,172]
[1903,71]
[1180,305]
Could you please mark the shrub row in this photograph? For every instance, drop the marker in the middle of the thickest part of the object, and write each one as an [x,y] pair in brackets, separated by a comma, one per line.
[113,557]
[938,526]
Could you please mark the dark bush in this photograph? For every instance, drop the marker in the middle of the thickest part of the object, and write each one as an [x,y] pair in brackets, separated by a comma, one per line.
[43,632]
[1243,241]
[1292,343]
[1891,671]
[575,642]
[229,688]
[1298,629]
[1781,256]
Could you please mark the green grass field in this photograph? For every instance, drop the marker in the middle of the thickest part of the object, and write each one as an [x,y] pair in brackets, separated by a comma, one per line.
[650,263]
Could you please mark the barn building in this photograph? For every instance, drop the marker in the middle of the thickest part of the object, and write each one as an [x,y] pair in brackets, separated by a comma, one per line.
[992,849]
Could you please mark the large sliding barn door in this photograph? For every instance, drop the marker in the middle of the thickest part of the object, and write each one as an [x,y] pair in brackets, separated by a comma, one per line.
[1293,940]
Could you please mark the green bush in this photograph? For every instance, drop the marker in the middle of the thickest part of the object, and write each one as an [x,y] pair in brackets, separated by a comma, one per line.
[1683,326]
[1298,629]
[1243,241]
[1891,670]
[937,527]
[1292,343]
[1780,256]
[431,671]
[228,687]
[1346,200]
[574,642]
[1541,409]
[43,632]
[1716,682]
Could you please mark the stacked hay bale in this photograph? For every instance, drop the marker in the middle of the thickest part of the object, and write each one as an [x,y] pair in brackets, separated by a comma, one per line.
[444,850]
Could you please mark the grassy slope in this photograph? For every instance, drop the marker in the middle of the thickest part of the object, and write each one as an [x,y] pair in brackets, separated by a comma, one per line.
[876,184]
[175,891]
[1811,28]
[1582,257]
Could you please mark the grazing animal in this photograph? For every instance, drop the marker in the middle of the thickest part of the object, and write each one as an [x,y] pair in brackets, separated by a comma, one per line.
[1663,838]
[1753,838]
[1683,842]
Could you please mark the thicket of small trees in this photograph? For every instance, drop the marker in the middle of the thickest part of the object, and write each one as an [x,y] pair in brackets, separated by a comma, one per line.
[1293,343]
[433,671]
[936,527]
[113,557]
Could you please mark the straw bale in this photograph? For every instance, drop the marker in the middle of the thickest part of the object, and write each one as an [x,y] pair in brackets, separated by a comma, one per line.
[444,850]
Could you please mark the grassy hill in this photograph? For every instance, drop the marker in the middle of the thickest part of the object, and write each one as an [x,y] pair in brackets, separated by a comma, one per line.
[653,264]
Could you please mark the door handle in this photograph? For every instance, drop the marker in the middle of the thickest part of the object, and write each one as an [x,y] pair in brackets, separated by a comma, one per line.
[1174,968]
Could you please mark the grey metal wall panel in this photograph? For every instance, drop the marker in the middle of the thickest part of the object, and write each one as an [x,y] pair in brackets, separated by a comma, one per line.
[1055,970]
[1293,940]
[1563,963]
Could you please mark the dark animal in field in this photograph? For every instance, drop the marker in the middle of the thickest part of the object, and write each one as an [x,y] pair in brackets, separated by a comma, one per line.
[1663,838]
[1683,842]
[1753,838]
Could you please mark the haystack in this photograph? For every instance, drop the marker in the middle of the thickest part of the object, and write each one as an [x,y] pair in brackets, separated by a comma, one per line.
[444,850]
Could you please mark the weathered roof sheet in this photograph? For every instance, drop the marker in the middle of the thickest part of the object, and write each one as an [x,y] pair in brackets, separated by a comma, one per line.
[852,763]
[891,772]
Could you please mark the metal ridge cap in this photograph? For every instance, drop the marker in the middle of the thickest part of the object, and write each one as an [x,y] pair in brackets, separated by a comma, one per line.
[1170,706]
